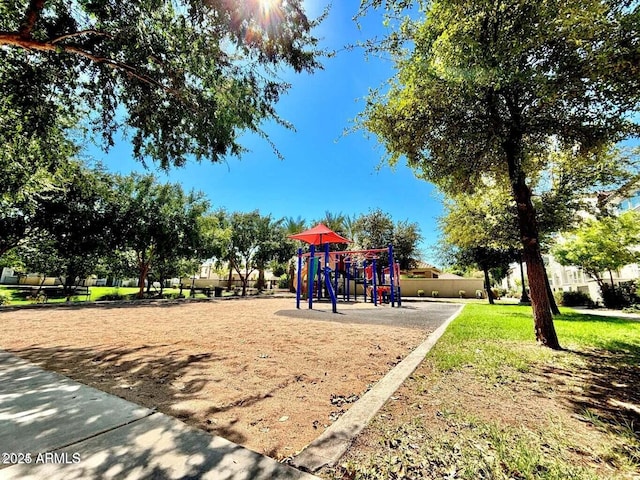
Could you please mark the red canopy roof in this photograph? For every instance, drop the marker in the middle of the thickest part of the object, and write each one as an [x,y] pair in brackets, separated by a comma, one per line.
[318,235]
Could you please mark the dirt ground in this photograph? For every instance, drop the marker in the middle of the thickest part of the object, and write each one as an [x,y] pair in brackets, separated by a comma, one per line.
[247,370]
[548,399]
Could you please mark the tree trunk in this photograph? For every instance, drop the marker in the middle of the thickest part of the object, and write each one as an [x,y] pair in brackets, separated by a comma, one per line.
[524,297]
[487,284]
[552,300]
[39,291]
[261,281]
[144,270]
[230,278]
[292,274]
[542,316]
[245,281]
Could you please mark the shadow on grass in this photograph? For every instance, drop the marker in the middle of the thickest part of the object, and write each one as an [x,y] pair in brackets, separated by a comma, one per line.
[585,317]
[141,376]
[608,386]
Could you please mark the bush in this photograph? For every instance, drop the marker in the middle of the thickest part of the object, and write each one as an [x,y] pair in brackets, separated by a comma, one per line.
[283,282]
[462,293]
[620,296]
[421,293]
[435,293]
[5,298]
[112,297]
[573,299]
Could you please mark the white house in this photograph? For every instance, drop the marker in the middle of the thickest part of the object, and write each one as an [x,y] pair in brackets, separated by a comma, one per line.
[572,278]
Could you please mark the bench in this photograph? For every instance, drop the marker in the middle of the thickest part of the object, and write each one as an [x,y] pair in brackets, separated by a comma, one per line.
[207,291]
[58,292]
[43,293]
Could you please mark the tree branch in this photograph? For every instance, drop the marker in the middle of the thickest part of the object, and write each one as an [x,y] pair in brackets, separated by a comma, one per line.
[77,34]
[30,18]
[16,40]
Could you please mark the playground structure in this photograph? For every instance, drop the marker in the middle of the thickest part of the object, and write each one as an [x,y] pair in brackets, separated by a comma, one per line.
[330,274]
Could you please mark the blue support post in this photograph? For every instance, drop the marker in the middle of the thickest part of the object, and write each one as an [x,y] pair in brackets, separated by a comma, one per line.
[332,295]
[299,283]
[392,274]
[323,270]
[375,286]
[311,276]
[319,279]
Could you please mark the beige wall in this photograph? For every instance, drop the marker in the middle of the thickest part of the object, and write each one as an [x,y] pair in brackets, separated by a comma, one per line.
[446,287]
[37,280]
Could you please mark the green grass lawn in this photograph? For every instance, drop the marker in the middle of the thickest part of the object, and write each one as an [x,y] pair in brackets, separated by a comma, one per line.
[490,403]
[16,298]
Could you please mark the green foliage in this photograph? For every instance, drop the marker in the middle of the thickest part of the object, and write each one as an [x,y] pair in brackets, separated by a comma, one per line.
[5,297]
[161,229]
[601,245]
[620,296]
[283,282]
[482,258]
[482,89]
[185,77]
[377,229]
[278,269]
[75,225]
[485,219]
[255,241]
[33,153]
[573,299]
[475,70]
[491,343]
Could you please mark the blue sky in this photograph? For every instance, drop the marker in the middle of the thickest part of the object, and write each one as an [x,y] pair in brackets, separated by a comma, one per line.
[322,170]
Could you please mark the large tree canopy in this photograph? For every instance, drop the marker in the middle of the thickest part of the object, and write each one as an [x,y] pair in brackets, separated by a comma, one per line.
[483,86]
[75,225]
[186,76]
[160,223]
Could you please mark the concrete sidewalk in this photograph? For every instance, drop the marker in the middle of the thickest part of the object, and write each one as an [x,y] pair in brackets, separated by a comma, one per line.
[52,427]
[605,312]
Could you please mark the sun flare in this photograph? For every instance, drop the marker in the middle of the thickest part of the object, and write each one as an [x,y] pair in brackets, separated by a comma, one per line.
[267,6]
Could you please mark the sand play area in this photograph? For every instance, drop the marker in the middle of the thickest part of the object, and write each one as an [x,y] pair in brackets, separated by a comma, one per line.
[255,371]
